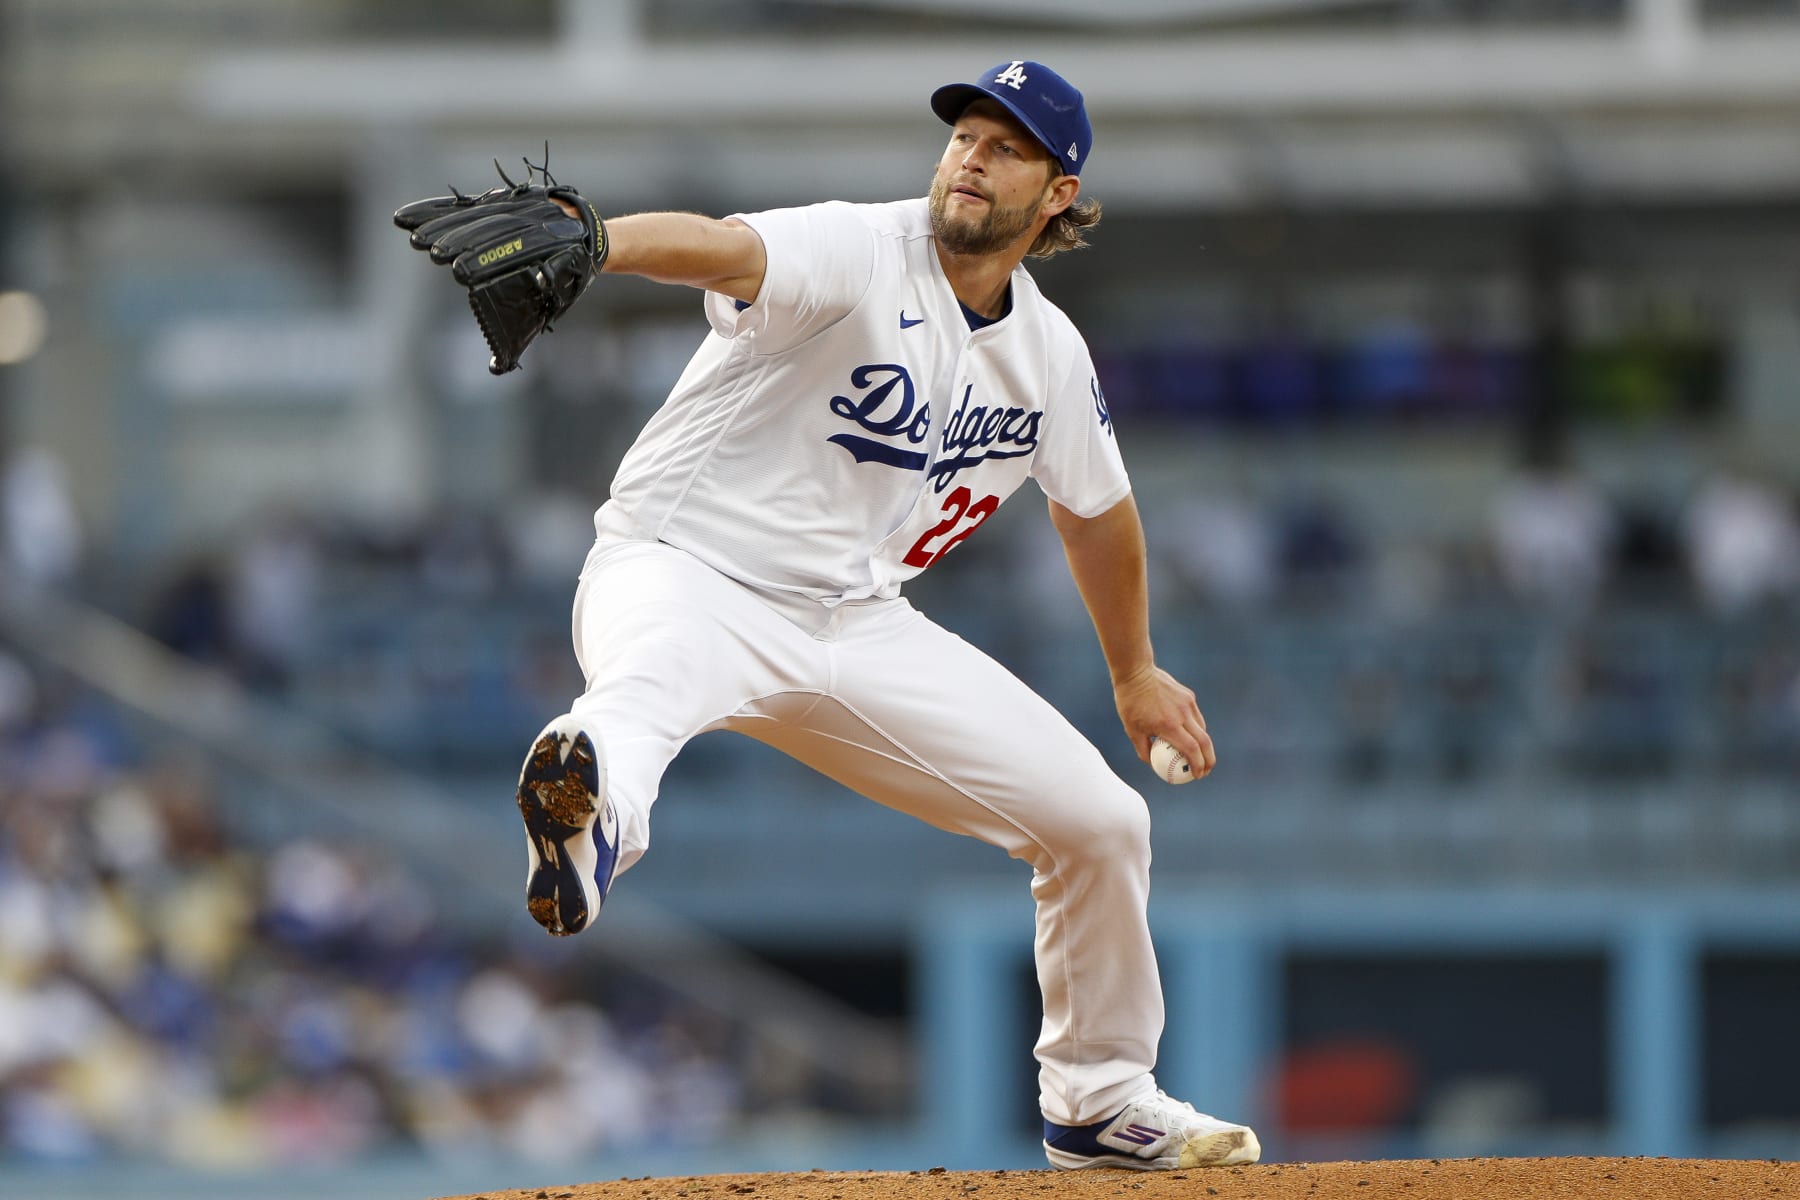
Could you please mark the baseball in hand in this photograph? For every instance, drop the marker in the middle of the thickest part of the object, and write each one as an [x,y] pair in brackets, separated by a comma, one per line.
[1169,762]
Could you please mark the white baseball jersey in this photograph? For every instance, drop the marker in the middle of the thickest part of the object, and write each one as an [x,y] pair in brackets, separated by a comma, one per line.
[848,429]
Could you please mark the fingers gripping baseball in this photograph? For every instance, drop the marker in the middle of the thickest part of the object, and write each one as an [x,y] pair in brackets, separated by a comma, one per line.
[1155,705]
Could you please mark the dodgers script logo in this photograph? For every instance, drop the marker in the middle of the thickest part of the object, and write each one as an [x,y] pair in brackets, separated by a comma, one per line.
[886,404]
[880,410]
[974,435]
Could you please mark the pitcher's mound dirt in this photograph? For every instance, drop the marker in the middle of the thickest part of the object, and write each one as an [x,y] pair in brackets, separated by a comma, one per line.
[1427,1179]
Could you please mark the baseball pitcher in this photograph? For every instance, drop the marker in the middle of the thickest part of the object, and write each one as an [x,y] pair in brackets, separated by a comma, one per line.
[877,380]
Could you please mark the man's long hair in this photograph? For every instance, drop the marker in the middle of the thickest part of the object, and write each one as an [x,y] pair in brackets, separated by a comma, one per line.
[1067,230]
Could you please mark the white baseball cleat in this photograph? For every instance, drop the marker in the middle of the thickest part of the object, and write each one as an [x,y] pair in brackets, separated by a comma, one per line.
[1157,1133]
[571,831]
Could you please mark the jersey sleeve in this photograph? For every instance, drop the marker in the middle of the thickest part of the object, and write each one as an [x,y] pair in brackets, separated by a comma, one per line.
[821,259]
[1078,463]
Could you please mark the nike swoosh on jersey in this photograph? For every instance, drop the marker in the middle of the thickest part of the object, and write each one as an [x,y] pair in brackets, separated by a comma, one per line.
[906,324]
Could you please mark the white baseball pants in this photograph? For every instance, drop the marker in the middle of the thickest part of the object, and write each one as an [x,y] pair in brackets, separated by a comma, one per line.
[890,704]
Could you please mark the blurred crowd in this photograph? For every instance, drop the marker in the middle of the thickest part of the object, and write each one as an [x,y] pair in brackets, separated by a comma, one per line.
[1610,633]
[167,990]
[1576,633]
[1555,543]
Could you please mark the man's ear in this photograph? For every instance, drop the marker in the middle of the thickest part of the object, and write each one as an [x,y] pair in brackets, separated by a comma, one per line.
[1060,194]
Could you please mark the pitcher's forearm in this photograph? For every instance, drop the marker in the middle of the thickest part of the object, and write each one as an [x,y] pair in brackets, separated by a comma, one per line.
[1108,562]
[720,256]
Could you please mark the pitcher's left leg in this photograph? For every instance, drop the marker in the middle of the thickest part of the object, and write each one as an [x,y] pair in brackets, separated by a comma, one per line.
[920,720]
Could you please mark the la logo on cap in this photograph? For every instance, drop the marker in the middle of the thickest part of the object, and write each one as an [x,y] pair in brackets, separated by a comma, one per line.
[1014,75]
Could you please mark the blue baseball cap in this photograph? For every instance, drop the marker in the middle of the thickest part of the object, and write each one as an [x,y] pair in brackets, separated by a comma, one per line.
[1045,102]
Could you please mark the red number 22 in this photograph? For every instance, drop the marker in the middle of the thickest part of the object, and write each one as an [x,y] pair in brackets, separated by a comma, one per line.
[957,509]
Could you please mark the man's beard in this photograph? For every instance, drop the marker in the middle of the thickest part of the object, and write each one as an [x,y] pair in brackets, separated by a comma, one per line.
[1000,228]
